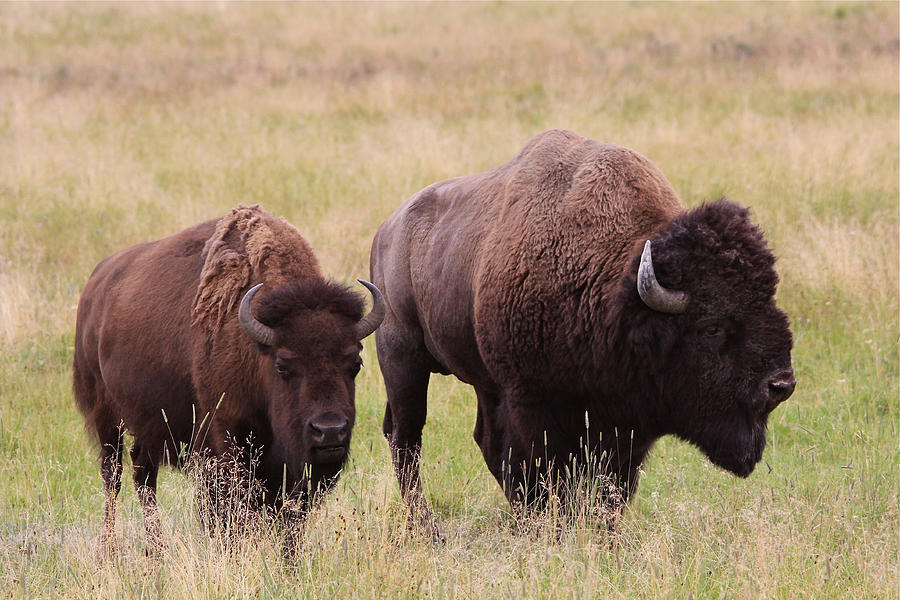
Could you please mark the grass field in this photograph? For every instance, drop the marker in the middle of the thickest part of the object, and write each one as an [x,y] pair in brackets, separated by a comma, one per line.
[123,123]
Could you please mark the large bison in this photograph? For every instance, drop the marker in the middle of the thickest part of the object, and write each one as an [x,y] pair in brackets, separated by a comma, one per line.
[167,347]
[534,283]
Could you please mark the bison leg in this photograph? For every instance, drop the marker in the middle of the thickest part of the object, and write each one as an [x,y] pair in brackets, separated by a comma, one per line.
[495,447]
[111,472]
[214,481]
[146,467]
[512,441]
[404,419]
[623,475]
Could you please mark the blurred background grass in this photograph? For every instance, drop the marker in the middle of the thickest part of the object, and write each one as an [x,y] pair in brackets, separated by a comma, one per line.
[123,123]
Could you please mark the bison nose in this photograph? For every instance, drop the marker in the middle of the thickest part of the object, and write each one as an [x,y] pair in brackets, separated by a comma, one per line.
[780,388]
[329,430]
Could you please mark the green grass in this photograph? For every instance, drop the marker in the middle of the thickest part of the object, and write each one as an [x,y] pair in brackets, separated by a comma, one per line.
[123,123]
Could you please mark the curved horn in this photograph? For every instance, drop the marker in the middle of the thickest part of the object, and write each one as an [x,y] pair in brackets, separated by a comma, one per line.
[257,332]
[652,293]
[371,321]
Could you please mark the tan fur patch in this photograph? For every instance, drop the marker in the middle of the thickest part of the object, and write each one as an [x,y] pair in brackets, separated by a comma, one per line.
[248,246]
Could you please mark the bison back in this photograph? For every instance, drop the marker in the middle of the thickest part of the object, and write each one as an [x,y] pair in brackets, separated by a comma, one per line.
[132,337]
[506,273]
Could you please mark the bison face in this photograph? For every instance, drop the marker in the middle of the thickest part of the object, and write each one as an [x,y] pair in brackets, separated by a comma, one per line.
[309,342]
[735,370]
[720,346]
[312,393]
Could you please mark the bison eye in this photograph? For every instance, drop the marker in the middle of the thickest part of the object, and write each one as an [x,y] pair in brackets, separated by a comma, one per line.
[282,369]
[713,330]
[711,327]
[355,366]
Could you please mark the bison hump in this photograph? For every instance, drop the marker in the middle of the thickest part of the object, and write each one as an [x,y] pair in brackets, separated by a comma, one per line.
[248,246]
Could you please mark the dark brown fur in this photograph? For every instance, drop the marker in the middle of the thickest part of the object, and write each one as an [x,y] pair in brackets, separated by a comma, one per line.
[521,281]
[159,353]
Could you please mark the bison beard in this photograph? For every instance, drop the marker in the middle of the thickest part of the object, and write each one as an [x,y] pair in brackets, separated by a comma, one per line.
[589,311]
[173,346]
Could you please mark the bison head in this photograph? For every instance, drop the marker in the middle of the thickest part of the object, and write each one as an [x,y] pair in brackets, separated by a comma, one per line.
[309,337]
[711,341]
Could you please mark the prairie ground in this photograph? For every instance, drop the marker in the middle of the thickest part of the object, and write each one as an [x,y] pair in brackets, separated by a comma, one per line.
[121,123]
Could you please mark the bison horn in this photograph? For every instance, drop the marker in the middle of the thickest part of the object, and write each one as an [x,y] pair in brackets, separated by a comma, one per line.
[257,332]
[652,293]
[371,321]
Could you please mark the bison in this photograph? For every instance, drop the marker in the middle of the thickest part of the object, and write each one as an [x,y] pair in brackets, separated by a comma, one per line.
[174,346]
[591,313]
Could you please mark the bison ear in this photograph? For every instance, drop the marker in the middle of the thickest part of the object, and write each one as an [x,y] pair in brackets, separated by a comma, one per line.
[654,295]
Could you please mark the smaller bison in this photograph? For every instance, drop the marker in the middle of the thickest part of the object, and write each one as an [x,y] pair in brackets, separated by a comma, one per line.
[218,337]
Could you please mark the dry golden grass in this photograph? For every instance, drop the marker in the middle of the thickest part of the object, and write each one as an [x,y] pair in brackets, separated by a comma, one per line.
[121,123]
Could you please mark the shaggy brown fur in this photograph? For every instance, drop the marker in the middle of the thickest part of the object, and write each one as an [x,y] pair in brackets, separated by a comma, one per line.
[248,242]
[159,353]
[521,281]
